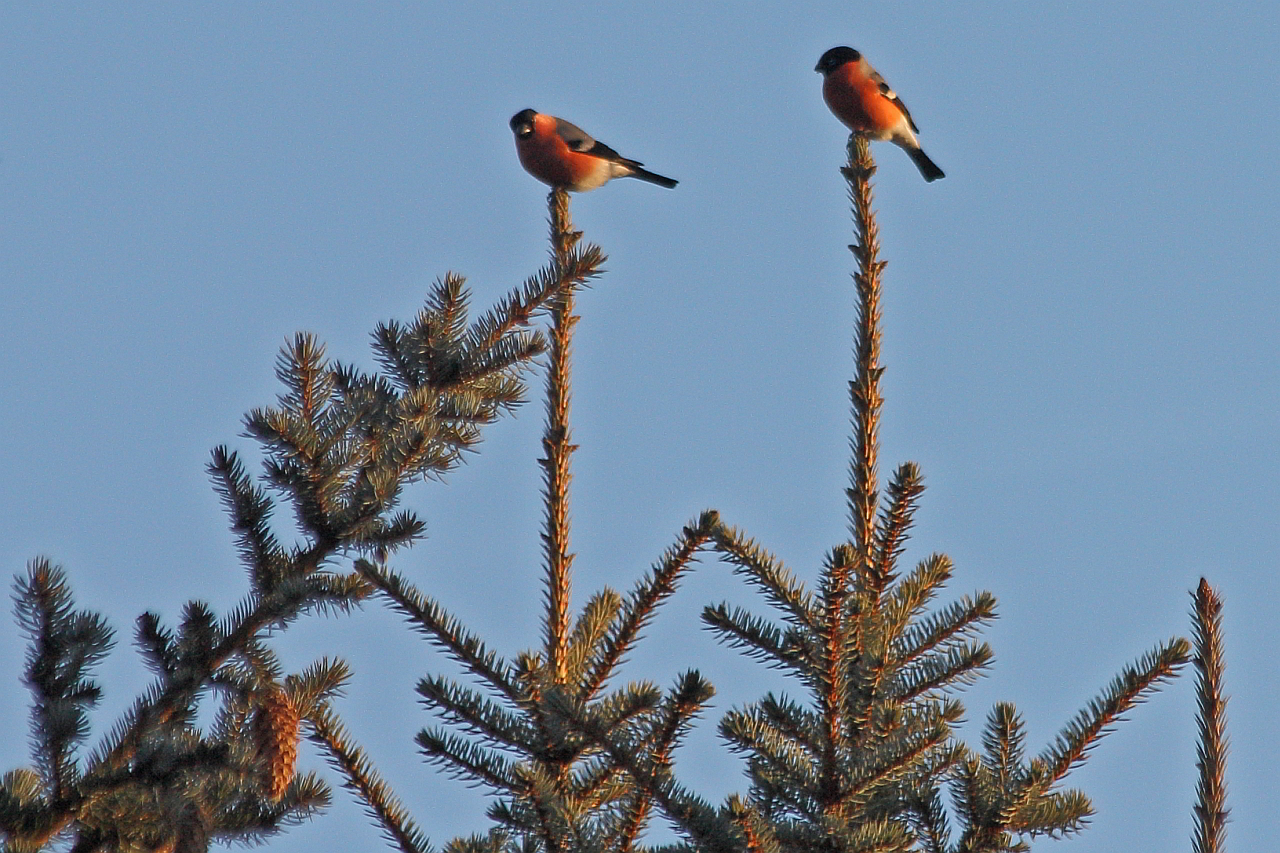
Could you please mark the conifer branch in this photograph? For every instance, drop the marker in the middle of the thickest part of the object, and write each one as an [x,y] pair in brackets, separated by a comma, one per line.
[756,830]
[157,645]
[873,548]
[177,784]
[429,618]
[1053,815]
[702,824]
[793,721]
[649,592]
[556,443]
[328,732]
[1129,688]
[778,754]
[768,573]
[464,759]
[859,765]
[26,820]
[600,785]
[591,631]
[551,824]
[250,511]
[643,753]
[251,820]
[208,648]
[1004,738]
[956,666]
[928,817]
[559,789]
[913,592]
[955,622]
[495,840]
[321,681]
[890,758]
[999,795]
[582,263]
[685,701]
[610,712]
[839,568]
[896,517]
[479,716]
[64,647]
[1211,810]
[757,637]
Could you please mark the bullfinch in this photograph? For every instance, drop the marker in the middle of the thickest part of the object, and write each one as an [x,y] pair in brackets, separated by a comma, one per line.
[564,155]
[860,98]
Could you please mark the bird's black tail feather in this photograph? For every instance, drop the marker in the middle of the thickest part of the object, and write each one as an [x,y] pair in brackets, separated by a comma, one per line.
[927,167]
[638,171]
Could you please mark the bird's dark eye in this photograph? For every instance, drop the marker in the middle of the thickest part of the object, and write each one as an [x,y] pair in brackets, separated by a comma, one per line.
[524,131]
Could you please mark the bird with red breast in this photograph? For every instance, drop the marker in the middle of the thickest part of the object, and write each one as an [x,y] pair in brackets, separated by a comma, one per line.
[564,155]
[865,104]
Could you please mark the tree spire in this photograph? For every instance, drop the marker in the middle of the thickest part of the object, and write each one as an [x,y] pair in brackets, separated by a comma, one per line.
[864,389]
[1211,715]
[556,442]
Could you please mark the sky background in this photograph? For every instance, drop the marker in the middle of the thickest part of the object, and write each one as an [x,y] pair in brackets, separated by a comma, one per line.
[1080,331]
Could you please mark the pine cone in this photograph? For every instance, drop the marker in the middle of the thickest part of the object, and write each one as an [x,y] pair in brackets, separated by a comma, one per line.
[278,724]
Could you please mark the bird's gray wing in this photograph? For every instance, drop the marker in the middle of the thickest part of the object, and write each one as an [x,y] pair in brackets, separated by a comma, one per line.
[579,140]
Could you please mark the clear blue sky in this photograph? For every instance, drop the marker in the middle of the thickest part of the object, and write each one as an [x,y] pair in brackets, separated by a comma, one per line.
[1080,328]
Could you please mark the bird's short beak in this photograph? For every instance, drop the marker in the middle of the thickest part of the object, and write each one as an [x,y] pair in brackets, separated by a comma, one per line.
[818,68]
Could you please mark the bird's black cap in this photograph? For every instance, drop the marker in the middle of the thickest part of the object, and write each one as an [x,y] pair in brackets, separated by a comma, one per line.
[834,58]
[523,117]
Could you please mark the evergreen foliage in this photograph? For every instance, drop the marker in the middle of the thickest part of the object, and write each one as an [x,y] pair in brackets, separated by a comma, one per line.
[863,761]
[338,446]
[531,734]
[866,757]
